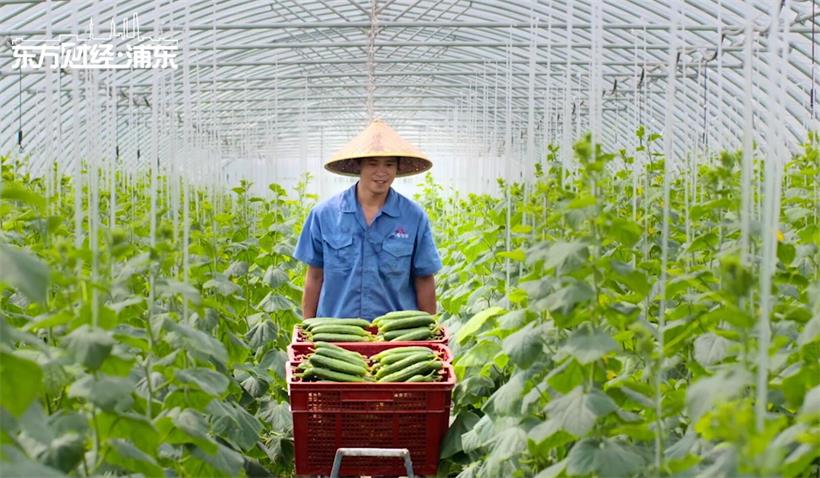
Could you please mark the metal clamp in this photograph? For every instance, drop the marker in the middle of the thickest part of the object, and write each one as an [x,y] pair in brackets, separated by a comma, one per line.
[379,452]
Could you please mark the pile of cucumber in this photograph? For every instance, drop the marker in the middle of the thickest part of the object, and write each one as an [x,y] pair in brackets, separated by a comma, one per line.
[331,363]
[407,325]
[406,364]
[331,329]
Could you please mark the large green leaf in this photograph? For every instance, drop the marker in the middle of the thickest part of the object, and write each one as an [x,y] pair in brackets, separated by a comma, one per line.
[262,334]
[603,457]
[566,298]
[704,394]
[24,272]
[128,457]
[234,424]
[222,285]
[711,348]
[225,462]
[16,464]
[566,255]
[475,323]
[577,411]
[109,393]
[588,345]
[21,382]
[209,381]
[89,346]
[186,426]
[184,337]
[507,399]
[463,422]
[525,346]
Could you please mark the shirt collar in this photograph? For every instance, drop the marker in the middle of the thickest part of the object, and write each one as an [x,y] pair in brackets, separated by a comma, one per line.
[391,204]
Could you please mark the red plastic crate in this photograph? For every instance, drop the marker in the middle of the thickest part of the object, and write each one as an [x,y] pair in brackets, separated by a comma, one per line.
[300,338]
[331,415]
[299,350]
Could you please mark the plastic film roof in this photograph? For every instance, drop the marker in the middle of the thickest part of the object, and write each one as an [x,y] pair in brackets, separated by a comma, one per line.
[285,82]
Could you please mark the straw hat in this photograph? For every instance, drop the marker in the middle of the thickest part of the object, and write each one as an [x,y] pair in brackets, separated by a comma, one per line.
[376,140]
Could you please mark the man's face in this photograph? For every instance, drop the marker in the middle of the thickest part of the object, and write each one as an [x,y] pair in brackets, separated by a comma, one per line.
[377,174]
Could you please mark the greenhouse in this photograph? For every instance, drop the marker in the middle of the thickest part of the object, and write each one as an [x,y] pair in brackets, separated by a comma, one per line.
[452,238]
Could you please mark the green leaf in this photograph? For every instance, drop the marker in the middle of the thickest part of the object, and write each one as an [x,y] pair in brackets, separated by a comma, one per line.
[509,443]
[711,349]
[237,268]
[109,393]
[89,346]
[234,424]
[170,287]
[24,272]
[262,334]
[525,346]
[463,422]
[16,464]
[566,298]
[707,392]
[507,399]
[209,381]
[21,382]
[588,345]
[222,285]
[17,192]
[278,416]
[128,457]
[603,457]
[576,412]
[811,405]
[473,325]
[810,333]
[515,255]
[566,255]
[224,460]
[275,277]
[130,426]
[186,426]
[185,337]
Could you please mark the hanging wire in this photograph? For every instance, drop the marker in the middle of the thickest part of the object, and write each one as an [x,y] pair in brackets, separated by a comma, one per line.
[371,58]
[20,111]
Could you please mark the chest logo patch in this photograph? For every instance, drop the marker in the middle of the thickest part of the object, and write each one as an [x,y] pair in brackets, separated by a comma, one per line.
[401,233]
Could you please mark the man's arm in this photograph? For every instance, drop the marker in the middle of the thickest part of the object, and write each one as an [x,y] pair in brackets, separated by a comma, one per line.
[426,293]
[313,286]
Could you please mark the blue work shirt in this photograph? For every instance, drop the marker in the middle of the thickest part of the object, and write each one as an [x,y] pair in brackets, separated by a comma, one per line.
[368,270]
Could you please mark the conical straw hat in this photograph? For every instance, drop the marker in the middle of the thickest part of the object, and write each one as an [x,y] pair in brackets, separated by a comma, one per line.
[376,140]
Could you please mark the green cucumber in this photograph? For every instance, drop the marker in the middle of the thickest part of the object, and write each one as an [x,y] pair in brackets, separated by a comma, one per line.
[333,353]
[415,369]
[415,334]
[393,334]
[403,363]
[391,359]
[408,323]
[330,375]
[339,338]
[337,365]
[399,350]
[352,322]
[430,377]
[399,314]
[339,329]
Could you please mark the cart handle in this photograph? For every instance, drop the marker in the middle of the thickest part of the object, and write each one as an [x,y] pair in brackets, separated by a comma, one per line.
[380,452]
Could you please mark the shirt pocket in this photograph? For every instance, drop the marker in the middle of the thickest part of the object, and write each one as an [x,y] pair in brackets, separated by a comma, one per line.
[339,252]
[396,255]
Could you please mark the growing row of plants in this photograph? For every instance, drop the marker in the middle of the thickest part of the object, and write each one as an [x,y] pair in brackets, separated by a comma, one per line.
[567,370]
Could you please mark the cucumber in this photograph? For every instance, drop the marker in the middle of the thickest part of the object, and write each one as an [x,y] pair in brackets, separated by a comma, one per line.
[393,334]
[339,329]
[415,334]
[399,350]
[404,363]
[415,369]
[339,338]
[330,375]
[430,377]
[408,323]
[333,353]
[353,322]
[391,359]
[341,351]
[337,365]
[399,314]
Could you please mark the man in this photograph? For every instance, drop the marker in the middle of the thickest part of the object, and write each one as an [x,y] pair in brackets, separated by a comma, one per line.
[370,250]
